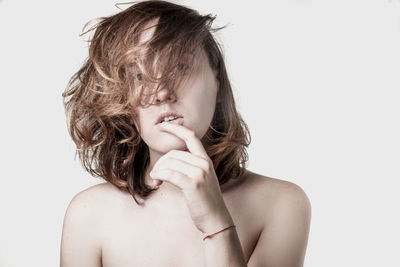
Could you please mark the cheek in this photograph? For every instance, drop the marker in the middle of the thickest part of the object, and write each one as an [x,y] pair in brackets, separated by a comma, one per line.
[207,100]
[140,120]
[204,107]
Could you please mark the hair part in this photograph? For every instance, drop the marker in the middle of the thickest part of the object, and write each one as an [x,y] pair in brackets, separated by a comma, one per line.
[125,70]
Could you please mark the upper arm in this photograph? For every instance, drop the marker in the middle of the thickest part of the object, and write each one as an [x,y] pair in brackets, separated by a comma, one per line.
[80,244]
[284,238]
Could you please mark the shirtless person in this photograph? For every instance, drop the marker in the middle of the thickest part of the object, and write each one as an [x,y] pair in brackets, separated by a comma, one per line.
[152,113]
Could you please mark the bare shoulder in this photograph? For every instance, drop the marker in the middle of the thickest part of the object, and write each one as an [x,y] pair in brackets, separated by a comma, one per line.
[97,200]
[94,191]
[286,216]
[87,195]
[85,207]
[276,195]
[97,195]
[82,227]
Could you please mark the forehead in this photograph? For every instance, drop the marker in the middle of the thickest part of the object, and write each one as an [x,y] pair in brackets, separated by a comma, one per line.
[163,53]
[148,31]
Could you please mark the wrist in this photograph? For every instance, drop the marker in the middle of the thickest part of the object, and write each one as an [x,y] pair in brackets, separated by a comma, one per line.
[218,232]
[217,224]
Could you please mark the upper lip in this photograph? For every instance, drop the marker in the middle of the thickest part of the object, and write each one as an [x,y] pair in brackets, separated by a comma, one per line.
[167,114]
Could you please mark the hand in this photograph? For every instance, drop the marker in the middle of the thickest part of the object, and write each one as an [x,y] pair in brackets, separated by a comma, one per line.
[193,172]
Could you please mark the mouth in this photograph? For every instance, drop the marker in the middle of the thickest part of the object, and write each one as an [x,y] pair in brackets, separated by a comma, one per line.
[169,117]
[174,121]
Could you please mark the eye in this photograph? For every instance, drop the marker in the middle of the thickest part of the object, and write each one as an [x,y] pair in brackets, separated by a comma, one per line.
[139,76]
[182,66]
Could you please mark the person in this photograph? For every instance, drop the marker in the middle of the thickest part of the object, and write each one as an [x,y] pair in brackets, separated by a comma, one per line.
[152,112]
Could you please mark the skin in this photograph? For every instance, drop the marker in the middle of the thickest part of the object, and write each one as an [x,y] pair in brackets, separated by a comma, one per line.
[102,224]
[104,227]
[195,100]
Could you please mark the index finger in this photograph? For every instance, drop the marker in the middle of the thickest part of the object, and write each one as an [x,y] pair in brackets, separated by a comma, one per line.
[193,143]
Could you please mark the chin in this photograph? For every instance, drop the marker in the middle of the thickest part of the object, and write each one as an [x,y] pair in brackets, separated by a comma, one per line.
[168,145]
[176,147]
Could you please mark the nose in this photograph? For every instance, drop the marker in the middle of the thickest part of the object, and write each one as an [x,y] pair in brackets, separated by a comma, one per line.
[165,94]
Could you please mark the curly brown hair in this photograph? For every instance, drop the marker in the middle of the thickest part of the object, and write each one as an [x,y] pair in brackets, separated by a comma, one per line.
[101,98]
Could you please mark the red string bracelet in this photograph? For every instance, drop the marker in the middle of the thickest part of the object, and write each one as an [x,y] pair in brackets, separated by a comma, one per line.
[219,231]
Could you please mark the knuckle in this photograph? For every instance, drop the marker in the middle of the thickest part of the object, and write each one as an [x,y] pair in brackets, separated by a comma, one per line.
[196,184]
[201,174]
[207,164]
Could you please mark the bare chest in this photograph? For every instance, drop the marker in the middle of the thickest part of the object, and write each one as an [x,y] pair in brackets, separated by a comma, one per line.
[147,237]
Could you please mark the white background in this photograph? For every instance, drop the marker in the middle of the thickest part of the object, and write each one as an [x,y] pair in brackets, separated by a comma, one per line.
[316,81]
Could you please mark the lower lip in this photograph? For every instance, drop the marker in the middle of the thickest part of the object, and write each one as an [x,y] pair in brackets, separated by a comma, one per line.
[176,121]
